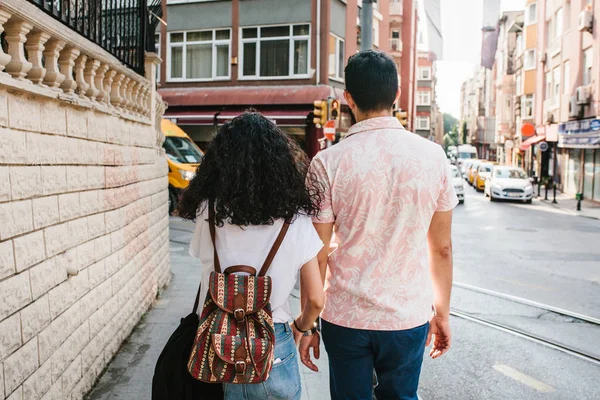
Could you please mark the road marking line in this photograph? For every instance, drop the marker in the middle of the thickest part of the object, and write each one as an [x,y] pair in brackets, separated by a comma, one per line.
[524,379]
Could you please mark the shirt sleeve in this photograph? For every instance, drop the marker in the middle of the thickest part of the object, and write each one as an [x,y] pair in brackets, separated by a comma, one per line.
[200,233]
[447,198]
[317,176]
[311,242]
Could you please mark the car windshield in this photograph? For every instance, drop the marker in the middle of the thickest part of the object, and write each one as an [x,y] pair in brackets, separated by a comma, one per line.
[455,173]
[465,155]
[485,169]
[510,173]
[182,150]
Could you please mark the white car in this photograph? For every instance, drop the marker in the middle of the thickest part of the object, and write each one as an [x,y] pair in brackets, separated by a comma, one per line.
[458,183]
[508,183]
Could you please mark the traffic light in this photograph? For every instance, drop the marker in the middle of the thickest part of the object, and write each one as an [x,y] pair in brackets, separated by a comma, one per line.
[320,113]
[334,109]
[402,117]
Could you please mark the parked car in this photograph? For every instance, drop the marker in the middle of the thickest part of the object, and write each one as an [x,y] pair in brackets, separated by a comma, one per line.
[459,184]
[472,169]
[483,172]
[508,183]
[464,168]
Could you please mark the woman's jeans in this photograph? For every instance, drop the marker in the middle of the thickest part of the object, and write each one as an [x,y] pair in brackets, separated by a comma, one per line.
[284,380]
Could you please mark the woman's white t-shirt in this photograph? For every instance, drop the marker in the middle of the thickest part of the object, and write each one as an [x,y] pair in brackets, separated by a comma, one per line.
[250,245]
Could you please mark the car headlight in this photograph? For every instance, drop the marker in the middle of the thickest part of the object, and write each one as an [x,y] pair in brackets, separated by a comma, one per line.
[529,187]
[187,175]
[498,188]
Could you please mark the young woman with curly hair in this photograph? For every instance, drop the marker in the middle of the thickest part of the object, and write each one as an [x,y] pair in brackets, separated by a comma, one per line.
[255,176]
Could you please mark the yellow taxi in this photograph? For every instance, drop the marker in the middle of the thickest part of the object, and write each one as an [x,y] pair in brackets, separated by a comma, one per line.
[483,172]
[472,170]
[183,157]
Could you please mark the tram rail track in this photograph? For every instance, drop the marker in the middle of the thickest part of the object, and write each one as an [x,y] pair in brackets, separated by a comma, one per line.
[516,331]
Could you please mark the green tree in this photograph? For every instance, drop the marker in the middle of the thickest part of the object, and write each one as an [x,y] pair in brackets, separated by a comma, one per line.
[449,123]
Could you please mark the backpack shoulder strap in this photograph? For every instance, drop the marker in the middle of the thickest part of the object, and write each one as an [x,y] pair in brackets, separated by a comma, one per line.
[211,225]
[274,249]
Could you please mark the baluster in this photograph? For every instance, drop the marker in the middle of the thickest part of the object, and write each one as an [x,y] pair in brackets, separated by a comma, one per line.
[35,48]
[4,58]
[123,92]
[130,92]
[99,81]
[82,85]
[53,77]
[108,84]
[115,93]
[16,36]
[67,62]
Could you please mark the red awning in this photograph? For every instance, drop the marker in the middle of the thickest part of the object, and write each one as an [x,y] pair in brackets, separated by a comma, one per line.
[281,118]
[531,141]
[245,96]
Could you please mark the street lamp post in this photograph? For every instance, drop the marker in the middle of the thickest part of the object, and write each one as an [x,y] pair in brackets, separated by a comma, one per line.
[366,33]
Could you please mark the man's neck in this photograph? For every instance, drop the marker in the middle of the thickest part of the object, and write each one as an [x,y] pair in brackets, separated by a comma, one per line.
[360,116]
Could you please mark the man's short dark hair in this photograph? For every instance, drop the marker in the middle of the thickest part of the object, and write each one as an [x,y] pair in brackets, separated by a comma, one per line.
[372,80]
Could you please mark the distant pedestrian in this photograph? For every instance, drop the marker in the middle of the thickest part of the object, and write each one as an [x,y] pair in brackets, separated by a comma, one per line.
[255,177]
[390,198]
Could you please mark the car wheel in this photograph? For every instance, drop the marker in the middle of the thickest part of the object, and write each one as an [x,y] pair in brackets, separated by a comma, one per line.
[172,202]
[461,202]
[492,198]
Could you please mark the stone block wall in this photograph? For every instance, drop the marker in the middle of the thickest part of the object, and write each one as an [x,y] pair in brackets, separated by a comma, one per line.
[83,241]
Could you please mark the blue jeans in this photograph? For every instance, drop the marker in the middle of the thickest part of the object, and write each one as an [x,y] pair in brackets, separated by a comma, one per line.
[396,357]
[284,380]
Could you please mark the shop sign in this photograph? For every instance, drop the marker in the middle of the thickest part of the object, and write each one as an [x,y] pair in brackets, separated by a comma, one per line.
[543,146]
[595,125]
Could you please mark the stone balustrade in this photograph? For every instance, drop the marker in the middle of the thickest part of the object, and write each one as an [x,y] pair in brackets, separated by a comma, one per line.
[59,64]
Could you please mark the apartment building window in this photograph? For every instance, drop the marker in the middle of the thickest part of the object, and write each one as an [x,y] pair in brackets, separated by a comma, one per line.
[548,80]
[336,58]
[199,55]
[519,44]
[529,59]
[556,76]
[567,75]
[519,85]
[587,66]
[423,123]
[423,98]
[275,51]
[527,107]
[530,14]
[424,73]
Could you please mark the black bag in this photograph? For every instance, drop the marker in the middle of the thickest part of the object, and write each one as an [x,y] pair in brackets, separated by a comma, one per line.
[171,380]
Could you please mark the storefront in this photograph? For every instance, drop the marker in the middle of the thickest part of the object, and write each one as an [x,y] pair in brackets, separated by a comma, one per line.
[579,143]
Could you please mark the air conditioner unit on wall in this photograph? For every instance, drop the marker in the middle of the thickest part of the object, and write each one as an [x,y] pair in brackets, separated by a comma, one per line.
[586,21]
[583,95]
[573,107]
[549,117]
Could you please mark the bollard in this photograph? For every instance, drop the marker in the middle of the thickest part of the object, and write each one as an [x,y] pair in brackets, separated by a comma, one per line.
[554,199]
[579,196]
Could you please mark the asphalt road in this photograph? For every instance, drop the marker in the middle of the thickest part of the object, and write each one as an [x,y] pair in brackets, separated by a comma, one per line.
[533,252]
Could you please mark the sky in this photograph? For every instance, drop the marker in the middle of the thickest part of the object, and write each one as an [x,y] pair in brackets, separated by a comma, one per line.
[461,32]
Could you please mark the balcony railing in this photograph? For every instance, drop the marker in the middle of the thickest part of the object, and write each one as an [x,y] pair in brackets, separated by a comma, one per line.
[396,9]
[124,28]
[396,45]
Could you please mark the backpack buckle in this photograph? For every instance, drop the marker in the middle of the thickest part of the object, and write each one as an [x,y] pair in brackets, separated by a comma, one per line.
[239,314]
[240,367]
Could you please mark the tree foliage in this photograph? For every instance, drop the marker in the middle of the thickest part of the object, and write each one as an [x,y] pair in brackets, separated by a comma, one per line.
[450,123]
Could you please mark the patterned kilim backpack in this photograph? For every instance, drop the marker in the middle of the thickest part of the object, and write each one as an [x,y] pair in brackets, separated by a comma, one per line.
[236,337]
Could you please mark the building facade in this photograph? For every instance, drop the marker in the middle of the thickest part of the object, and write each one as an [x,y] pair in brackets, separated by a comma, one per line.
[277,56]
[426,109]
[568,83]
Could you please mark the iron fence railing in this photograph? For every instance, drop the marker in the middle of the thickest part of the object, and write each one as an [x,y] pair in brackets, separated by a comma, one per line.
[124,28]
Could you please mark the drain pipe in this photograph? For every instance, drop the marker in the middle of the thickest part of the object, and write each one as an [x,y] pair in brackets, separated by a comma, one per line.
[318,71]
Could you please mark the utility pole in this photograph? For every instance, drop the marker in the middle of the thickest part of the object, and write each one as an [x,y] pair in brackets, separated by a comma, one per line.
[366,32]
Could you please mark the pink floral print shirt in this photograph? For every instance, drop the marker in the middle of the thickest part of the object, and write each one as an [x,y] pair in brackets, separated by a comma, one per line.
[382,186]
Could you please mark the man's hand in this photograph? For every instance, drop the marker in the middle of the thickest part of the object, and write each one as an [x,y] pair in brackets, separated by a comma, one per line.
[440,328]
[306,343]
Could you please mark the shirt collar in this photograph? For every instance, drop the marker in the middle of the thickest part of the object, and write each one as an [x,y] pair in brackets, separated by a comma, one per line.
[375,124]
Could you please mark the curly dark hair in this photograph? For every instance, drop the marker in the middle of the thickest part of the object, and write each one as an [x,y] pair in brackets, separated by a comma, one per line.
[254,174]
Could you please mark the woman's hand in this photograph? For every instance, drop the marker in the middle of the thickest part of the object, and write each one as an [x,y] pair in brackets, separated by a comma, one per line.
[297,334]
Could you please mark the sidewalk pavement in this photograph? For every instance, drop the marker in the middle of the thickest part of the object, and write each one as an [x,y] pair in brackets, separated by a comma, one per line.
[129,375]
[566,203]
